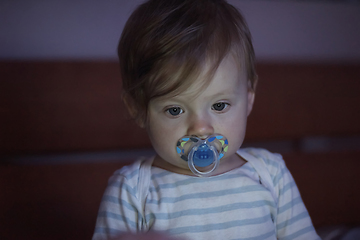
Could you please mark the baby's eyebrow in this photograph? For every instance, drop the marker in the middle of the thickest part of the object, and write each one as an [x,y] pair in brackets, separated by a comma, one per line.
[181,98]
[163,100]
[230,93]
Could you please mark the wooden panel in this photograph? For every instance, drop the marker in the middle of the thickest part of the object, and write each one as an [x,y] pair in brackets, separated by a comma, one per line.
[329,185]
[298,100]
[64,106]
[51,201]
[76,106]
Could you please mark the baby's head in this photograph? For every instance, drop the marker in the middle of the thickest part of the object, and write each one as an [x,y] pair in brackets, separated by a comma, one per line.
[187,68]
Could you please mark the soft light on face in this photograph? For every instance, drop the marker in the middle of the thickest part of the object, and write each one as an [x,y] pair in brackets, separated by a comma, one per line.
[221,108]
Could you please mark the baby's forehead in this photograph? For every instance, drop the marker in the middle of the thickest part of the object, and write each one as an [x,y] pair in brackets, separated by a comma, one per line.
[227,80]
[178,79]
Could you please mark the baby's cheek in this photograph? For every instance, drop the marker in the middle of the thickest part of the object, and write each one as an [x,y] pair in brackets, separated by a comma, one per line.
[236,141]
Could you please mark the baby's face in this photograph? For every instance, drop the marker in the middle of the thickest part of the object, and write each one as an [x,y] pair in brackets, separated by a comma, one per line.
[221,107]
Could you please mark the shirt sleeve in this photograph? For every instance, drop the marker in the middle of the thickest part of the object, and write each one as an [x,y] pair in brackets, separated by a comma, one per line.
[293,220]
[120,209]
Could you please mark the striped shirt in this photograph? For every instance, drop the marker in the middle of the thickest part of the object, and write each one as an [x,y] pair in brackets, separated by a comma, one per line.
[233,205]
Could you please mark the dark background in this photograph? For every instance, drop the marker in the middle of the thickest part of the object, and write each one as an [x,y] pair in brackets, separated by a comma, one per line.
[64,130]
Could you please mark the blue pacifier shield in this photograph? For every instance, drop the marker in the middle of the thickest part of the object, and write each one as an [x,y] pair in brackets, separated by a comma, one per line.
[203,156]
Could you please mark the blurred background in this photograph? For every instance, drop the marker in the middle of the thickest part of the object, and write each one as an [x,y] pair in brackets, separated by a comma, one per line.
[64,130]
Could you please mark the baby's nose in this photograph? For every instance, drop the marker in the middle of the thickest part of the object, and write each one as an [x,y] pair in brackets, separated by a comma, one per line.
[201,127]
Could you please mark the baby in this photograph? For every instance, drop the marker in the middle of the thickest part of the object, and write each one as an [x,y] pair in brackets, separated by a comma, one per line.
[189,79]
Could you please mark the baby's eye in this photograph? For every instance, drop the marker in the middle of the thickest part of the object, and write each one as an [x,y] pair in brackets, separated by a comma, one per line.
[220,106]
[174,111]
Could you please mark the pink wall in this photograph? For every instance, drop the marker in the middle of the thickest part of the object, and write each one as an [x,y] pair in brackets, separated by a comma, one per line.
[282,30]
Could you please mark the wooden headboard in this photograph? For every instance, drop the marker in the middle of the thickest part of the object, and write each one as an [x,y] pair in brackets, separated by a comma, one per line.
[73,107]
[76,106]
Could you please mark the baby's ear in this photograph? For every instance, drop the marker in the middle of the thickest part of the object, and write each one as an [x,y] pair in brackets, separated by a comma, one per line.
[129,104]
[132,109]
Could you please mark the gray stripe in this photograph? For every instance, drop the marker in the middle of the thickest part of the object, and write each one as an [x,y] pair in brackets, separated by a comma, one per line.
[278,177]
[121,202]
[160,174]
[289,205]
[121,185]
[246,189]
[194,180]
[260,237]
[292,220]
[220,226]
[132,174]
[287,187]
[219,209]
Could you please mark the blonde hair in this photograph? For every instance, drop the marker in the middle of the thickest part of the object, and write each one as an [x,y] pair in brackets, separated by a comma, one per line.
[166,43]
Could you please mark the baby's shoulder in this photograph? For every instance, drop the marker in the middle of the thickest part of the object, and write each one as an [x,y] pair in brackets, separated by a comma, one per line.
[130,173]
[272,161]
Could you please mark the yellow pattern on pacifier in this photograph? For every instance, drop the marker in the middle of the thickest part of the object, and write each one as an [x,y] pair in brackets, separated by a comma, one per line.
[202,155]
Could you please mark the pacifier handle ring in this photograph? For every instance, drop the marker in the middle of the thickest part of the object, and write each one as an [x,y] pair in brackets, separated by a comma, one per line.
[203,174]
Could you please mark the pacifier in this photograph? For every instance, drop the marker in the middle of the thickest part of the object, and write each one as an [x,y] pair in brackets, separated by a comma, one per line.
[203,155]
